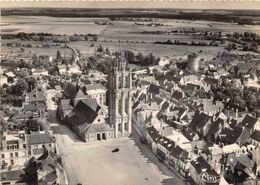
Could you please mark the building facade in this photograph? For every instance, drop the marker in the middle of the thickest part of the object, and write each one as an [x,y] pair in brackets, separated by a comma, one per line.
[120,97]
[13,150]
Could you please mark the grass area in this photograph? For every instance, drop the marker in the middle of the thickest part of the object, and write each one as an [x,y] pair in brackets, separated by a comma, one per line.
[35,51]
[146,48]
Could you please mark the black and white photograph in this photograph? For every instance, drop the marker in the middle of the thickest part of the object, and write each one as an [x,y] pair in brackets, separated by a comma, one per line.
[130,92]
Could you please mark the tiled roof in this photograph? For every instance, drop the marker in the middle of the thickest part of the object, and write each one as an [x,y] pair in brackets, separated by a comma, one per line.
[80,95]
[14,175]
[176,152]
[188,133]
[94,87]
[24,115]
[70,91]
[92,103]
[35,106]
[155,89]
[249,122]
[38,138]
[256,135]
[47,154]
[65,104]
[84,112]
[58,88]
[10,74]
[201,165]
[172,78]
[215,126]
[211,81]
[36,95]
[177,95]
[232,135]
[199,121]
[190,78]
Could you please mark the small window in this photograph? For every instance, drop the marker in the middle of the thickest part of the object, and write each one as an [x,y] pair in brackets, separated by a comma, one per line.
[98,120]
[11,155]
[3,156]
[16,154]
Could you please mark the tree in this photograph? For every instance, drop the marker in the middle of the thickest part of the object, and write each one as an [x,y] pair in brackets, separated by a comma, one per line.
[31,82]
[107,51]
[20,87]
[100,49]
[58,56]
[31,171]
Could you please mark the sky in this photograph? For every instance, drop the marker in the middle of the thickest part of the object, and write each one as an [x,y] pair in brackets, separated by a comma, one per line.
[178,4]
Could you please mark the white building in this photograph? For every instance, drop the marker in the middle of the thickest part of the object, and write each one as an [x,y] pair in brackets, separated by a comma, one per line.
[97,92]
[13,150]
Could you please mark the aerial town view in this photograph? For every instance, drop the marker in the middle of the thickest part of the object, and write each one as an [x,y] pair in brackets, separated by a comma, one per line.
[129,97]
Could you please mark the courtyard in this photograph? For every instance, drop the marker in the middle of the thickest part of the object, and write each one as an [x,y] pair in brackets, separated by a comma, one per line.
[133,164]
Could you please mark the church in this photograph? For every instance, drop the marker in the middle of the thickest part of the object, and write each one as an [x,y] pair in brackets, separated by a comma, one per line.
[94,121]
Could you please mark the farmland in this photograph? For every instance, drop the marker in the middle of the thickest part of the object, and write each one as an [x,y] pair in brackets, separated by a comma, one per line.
[124,35]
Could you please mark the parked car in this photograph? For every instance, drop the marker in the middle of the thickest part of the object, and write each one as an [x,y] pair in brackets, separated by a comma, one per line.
[115,150]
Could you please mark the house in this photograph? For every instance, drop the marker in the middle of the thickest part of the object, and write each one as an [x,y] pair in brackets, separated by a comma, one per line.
[167,151]
[233,135]
[3,80]
[98,92]
[163,61]
[38,143]
[38,109]
[62,68]
[10,76]
[250,123]
[202,173]
[240,168]
[188,79]
[70,91]
[189,134]
[220,72]
[255,138]
[50,168]
[13,177]
[201,123]
[13,150]
[35,96]
[39,72]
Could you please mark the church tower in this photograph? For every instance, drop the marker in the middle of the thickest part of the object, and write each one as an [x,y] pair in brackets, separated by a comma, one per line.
[120,98]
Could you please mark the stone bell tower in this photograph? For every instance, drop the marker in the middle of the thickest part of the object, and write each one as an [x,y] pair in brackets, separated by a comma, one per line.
[120,98]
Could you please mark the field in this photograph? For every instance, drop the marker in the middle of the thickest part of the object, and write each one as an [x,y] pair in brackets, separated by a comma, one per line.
[29,52]
[146,48]
[28,24]
[121,35]
[127,32]
[14,24]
